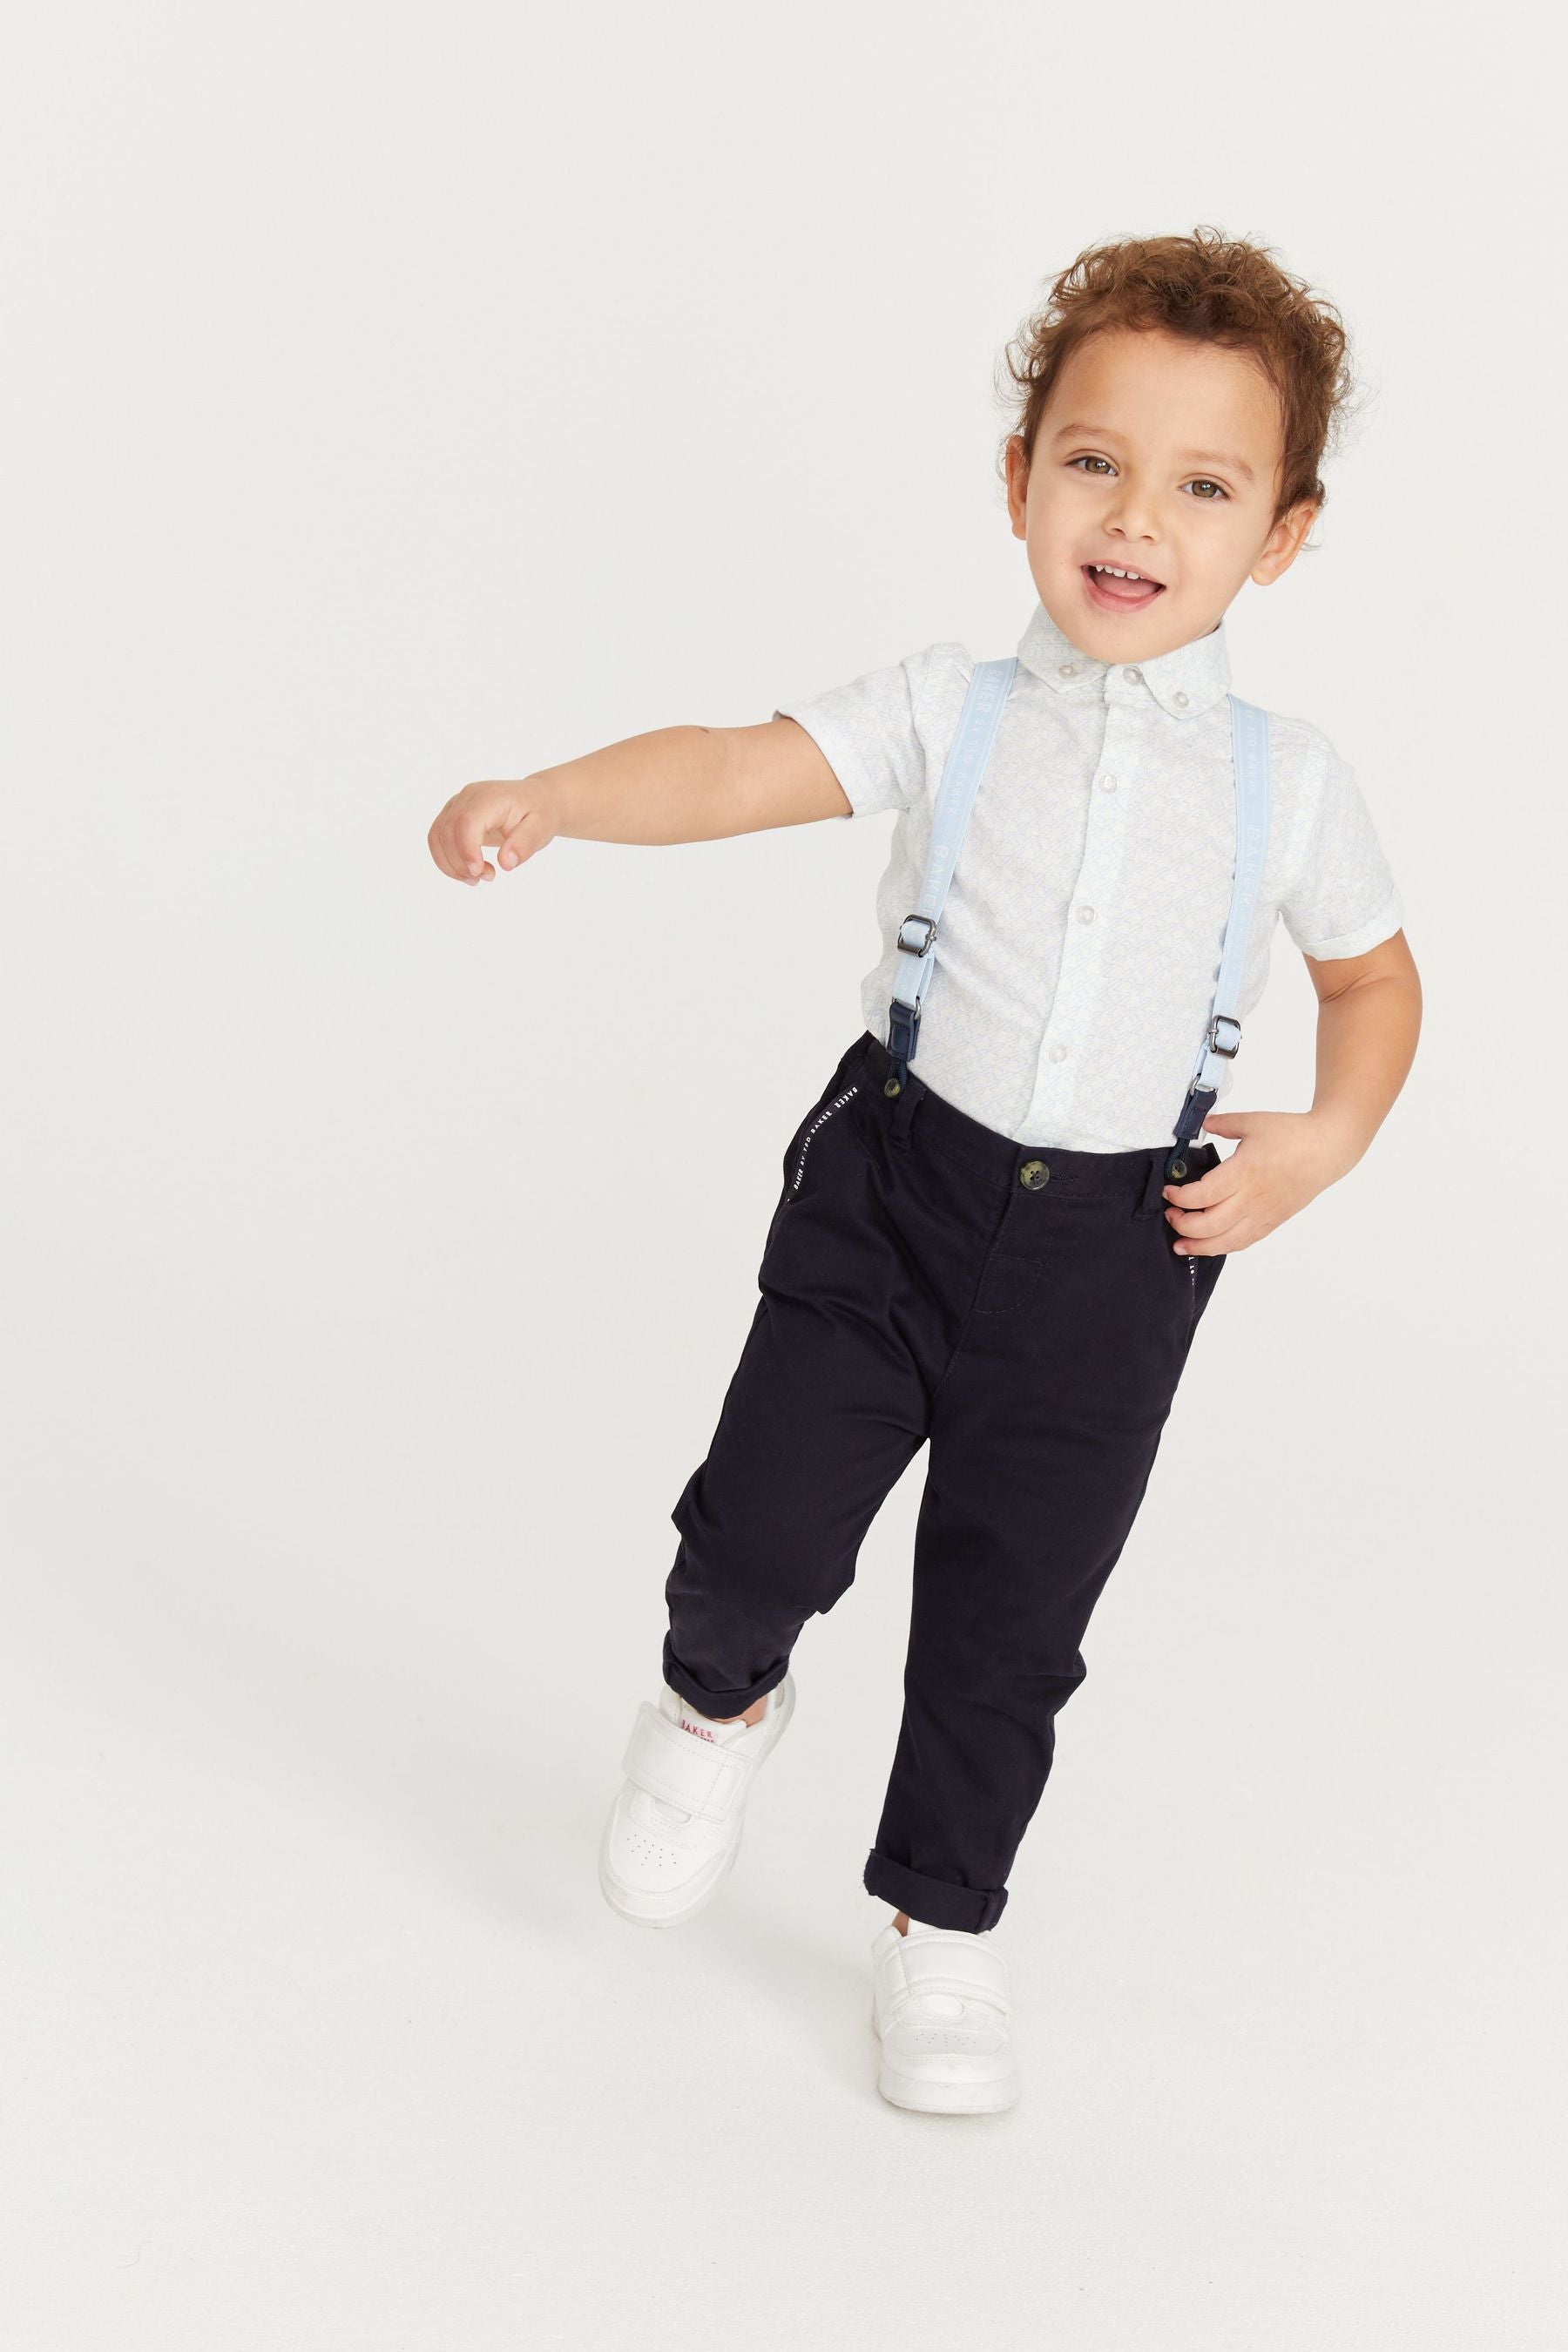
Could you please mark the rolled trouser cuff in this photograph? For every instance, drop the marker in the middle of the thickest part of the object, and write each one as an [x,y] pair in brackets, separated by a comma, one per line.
[935,1901]
[717,1703]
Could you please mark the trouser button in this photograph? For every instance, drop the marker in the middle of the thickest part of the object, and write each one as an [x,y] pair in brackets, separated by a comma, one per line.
[1033,1173]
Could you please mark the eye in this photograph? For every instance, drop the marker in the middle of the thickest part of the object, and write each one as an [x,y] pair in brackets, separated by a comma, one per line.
[1089,460]
[1204,480]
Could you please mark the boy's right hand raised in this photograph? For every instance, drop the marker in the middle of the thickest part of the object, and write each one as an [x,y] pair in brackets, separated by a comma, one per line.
[670,784]
[515,820]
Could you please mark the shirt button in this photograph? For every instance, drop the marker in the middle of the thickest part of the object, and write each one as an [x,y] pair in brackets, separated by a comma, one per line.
[1107,783]
[1132,675]
[1086,914]
[1059,1052]
[1068,669]
[1179,700]
[1033,1173]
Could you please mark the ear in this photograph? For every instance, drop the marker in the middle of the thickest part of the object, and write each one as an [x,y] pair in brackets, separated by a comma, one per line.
[1017,484]
[1284,543]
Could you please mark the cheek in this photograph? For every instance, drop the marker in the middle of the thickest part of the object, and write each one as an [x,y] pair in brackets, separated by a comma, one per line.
[1215,563]
[1051,533]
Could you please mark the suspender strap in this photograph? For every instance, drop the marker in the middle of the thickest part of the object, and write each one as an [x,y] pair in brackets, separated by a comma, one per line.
[966,761]
[1249,760]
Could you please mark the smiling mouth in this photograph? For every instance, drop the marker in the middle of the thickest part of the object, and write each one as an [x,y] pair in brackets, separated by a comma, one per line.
[1120,589]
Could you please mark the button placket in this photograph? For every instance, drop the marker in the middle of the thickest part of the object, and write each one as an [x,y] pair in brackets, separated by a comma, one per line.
[1083,947]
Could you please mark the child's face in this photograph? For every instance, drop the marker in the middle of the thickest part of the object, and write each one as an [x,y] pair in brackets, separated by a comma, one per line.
[1141,461]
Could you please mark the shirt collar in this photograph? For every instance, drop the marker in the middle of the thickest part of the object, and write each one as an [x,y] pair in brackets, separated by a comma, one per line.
[1187,681]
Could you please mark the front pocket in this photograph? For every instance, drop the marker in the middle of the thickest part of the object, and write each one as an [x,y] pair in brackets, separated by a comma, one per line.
[1204,1290]
[815,1127]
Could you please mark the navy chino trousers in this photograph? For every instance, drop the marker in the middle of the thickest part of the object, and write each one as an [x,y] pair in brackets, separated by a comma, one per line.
[1025,1313]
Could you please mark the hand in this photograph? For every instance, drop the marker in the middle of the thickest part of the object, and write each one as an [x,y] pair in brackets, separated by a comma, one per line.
[517,819]
[1283,1159]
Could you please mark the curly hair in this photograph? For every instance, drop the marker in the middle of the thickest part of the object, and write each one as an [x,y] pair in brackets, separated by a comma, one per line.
[1211,289]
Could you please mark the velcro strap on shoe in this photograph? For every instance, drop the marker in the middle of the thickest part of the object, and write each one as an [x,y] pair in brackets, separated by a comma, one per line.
[703,1777]
[969,1971]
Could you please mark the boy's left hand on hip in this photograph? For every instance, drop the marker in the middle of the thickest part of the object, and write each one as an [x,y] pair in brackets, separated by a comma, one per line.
[1283,1159]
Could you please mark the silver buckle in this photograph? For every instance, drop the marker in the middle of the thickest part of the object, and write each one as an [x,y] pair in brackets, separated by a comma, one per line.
[1214,1046]
[930,922]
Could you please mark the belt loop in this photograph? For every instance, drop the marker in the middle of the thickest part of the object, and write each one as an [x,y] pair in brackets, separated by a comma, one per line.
[1151,1199]
[904,1111]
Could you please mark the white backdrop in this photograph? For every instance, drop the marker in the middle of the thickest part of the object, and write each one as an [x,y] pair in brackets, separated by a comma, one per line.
[396,398]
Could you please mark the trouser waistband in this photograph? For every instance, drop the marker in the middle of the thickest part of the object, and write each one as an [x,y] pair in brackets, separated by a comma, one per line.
[1137,1177]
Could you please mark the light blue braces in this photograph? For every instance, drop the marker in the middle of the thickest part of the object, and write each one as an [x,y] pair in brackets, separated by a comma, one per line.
[967,759]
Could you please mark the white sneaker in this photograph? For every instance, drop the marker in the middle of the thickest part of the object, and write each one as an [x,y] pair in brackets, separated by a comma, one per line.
[941,2004]
[674,1828]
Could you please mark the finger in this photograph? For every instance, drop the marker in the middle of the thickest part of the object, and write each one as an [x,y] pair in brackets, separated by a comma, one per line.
[1205,1227]
[451,855]
[1204,1224]
[1202,1192]
[1217,1218]
[460,871]
[468,840]
[521,841]
[439,843]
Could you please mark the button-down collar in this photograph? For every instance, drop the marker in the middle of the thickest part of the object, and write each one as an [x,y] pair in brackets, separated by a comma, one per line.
[1188,679]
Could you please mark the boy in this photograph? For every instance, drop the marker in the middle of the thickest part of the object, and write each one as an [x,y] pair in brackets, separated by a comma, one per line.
[994,1249]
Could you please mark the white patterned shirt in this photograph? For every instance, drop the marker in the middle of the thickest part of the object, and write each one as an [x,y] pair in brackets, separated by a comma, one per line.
[1079,948]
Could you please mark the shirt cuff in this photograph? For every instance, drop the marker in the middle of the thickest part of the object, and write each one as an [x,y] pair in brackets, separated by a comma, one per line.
[838,749]
[1383,926]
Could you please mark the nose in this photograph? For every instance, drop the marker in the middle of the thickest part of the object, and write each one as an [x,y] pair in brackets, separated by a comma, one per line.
[1131,513]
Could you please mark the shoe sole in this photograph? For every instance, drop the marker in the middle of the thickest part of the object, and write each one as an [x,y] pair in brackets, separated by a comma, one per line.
[673,1909]
[949,2098]
[955,2098]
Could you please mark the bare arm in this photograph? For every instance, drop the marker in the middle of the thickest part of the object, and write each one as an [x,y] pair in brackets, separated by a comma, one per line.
[1369,1017]
[677,784]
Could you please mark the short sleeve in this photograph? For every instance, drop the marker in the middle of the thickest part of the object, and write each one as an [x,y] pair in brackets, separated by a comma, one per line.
[1341,899]
[867,732]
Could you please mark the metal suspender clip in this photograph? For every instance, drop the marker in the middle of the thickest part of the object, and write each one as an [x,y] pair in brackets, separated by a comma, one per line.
[1214,1044]
[908,946]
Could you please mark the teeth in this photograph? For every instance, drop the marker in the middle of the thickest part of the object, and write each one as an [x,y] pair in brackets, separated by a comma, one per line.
[1117,574]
